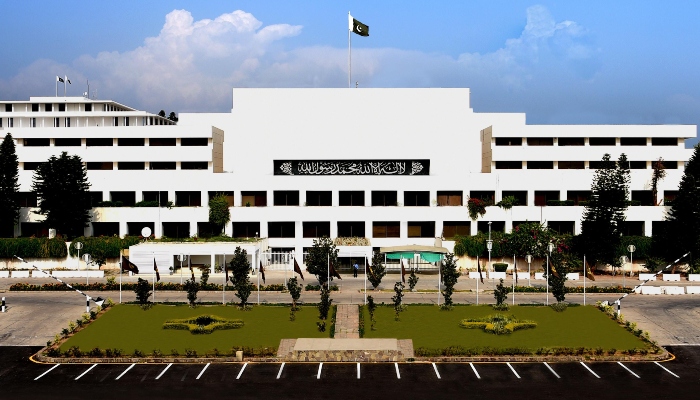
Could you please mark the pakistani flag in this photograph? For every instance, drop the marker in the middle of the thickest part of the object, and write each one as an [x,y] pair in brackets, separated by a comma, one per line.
[59,79]
[357,26]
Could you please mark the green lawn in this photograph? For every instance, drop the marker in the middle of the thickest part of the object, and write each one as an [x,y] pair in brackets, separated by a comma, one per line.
[128,327]
[431,328]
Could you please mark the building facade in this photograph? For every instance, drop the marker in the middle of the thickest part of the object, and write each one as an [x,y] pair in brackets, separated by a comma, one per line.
[392,166]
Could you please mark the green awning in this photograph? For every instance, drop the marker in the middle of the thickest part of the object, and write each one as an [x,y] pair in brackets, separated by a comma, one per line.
[427,253]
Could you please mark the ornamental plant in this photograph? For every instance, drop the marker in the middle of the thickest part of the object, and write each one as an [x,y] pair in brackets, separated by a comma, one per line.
[476,207]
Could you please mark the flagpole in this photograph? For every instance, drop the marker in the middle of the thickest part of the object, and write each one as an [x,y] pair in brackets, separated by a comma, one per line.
[65,78]
[121,272]
[259,282]
[225,282]
[439,278]
[57,95]
[515,276]
[154,277]
[365,279]
[585,275]
[477,281]
[349,51]
[328,267]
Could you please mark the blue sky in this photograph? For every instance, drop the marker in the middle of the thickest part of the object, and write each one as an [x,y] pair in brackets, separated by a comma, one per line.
[562,62]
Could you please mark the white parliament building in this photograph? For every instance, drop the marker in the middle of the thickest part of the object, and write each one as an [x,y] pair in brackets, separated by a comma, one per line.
[393,166]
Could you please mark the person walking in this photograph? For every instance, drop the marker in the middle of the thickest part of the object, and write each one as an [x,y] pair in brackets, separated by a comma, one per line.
[355,267]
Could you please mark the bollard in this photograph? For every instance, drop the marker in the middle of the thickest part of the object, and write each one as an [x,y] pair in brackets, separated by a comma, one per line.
[618,307]
[87,305]
[3,304]
[239,355]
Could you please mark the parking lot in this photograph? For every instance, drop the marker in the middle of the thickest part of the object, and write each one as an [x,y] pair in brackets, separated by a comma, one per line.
[21,378]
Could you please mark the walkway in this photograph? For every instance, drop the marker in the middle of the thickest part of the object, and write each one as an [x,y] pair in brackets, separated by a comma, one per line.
[347,321]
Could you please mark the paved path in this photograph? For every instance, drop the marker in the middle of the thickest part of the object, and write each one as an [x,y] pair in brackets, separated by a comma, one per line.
[347,321]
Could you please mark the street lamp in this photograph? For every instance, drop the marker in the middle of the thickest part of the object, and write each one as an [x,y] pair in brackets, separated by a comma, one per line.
[550,247]
[623,261]
[78,246]
[88,260]
[529,260]
[631,248]
[182,258]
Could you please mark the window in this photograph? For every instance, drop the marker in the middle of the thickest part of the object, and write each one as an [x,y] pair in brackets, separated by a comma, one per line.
[67,142]
[37,142]
[115,121]
[194,165]
[509,141]
[659,141]
[162,164]
[98,142]
[27,199]
[540,165]
[8,107]
[56,122]
[488,195]
[35,107]
[227,193]
[188,199]
[351,198]
[88,106]
[449,198]
[578,196]
[520,195]
[421,229]
[161,142]
[318,198]
[496,226]
[194,141]
[316,229]
[32,122]
[384,229]
[561,227]
[180,230]
[670,164]
[130,142]
[95,198]
[601,141]
[509,165]
[255,199]
[36,229]
[571,164]
[99,165]
[30,166]
[540,141]
[384,198]
[67,122]
[669,196]
[131,165]
[161,196]
[571,141]
[48,107]
[10,122]
[633,228]
[351,228]
[601,164]
[644,197]
[451,229]
[637,164]
[543,196]
[61,107]
[633,141]
[126,121]
[126,198]
[105,229]
[416,199]
[280,229]
[135,228]
[0,122]
[285,197]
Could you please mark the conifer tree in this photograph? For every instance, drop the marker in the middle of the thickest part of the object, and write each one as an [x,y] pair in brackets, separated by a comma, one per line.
[9,204]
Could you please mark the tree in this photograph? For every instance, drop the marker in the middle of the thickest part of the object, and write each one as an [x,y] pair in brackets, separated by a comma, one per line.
[239,268]
[377,271]
[219,213]
[322,252]
[562,263]
[657,174]
[294,288]
[192,288]
[500,293]
[448,270]
[397,298]
[173,117]
[601,228]
[143,291]
[61,185]
[682,234]
[161,113]
[9,174]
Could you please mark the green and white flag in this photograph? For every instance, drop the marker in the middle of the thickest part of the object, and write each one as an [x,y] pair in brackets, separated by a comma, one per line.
[357,26]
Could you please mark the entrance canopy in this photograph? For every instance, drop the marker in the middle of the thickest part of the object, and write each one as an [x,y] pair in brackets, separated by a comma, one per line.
[427,253]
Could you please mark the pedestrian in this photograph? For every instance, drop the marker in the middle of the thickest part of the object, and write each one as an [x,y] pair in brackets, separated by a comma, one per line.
[354,269]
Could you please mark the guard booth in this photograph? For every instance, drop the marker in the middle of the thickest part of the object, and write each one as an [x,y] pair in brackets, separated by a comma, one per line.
[422,259]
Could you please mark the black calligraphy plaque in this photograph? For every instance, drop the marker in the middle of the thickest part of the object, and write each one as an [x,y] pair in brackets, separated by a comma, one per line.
[351,167]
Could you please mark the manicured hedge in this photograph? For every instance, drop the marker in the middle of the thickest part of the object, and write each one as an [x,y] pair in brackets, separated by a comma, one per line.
[33,248]
[110,246]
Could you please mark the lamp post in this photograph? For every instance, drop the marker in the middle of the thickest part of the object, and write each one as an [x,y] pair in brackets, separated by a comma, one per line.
[78,246]
[181,258]
[550,247]
[529,260]
[88,260]
[489,246]
[623,261]
[631,248]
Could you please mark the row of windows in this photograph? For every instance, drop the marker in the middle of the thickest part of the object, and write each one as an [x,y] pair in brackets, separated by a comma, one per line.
[580,141]
[356,198]
[105,142]
[577,164]
[132,165]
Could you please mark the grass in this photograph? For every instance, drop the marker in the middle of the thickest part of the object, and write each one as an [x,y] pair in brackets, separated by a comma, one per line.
[432,328]
[128,327]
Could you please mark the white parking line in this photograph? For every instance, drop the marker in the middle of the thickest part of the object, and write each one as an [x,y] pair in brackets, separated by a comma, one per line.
[124,373]
[590,370]
[241,371]
[50,369]
[358,370]
[513,369]
[203,369]
[666,369]
[398,374]
[436,371]
[318,375]
[474,369]
[86,371]
[628,370]
[280,373]
[163,371]
[551,369]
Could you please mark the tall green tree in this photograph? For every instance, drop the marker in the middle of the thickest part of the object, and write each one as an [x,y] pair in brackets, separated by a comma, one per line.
[219,213]
[449,275]
[9,173]
[239,267]
[377,270]
[601,228]
[321,253]
[658,173]
[682,233]
[62,188]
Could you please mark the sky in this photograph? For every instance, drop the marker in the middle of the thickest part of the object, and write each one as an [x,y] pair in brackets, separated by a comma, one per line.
[560,62]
